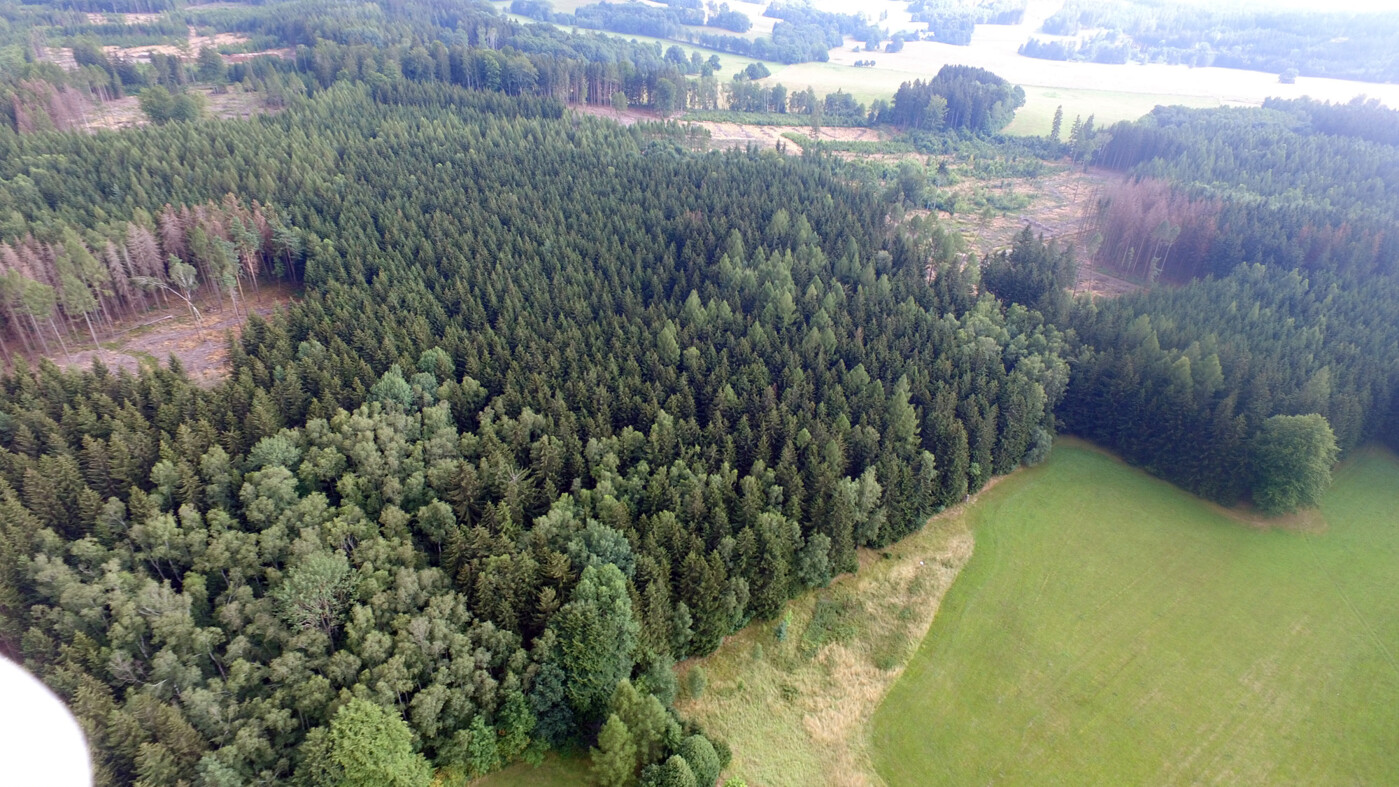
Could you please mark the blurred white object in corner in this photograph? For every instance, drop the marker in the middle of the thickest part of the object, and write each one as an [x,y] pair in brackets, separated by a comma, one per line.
[40,741]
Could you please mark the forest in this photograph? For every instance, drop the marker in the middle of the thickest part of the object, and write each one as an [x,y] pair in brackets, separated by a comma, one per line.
[1280,223]
[954,21]
[560,403]
[500,505]
[1324,43]
[636,18]
[959,98]
[475,47]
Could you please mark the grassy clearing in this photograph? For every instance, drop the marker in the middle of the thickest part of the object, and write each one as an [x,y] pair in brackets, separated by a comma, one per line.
[1112,629]
[1107,106]
[796,710]
[1033,119]
[865,84]
[557,770]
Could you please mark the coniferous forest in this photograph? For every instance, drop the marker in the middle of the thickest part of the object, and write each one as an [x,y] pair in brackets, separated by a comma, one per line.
[1280,224]
[560,402]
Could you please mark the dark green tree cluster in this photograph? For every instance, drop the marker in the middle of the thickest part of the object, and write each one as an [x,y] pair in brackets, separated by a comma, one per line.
[558,406]
[161,107]
[1246,382]
[958,97]
[1032,273]
[804,34]
[1190,383]
[1102,48]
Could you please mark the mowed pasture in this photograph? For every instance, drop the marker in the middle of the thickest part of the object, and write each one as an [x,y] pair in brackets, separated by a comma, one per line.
[1112,629]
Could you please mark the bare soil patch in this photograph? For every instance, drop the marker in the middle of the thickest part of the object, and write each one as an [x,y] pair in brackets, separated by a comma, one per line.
[1060,206]
[126,112]
[737,135]
[728,135]
[122,19]
[285,53]
[163,332]
[626,117]
[188,50]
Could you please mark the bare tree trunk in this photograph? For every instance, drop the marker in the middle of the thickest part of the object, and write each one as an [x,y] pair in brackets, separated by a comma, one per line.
[97,345]
[62,344]
[40,334]
[19,329]
[217,289]
[198,318]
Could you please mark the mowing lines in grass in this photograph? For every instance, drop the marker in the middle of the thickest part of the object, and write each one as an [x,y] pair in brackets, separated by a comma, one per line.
[1113,629]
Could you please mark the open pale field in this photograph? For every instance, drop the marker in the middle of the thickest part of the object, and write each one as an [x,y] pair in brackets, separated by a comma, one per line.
[1107,106]
[1111,629]
[994,47]
[1111,92]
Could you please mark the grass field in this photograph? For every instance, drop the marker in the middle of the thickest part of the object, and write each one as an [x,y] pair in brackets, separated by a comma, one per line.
[1107,106]
[1110,92]
[556,771]
[796,710]
[1111,629]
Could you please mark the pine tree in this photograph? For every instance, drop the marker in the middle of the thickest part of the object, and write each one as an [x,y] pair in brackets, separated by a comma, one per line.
[614,757]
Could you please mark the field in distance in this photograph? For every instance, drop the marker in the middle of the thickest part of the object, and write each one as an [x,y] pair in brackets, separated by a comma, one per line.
[1110,92]
[1112,629]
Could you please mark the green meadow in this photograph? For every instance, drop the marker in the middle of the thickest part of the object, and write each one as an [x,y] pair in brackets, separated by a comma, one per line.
[1107,629]
[1036,118]
[1111,629]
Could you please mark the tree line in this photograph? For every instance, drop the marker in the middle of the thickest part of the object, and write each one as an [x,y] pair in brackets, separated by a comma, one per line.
[1280,345]
[1340,44]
